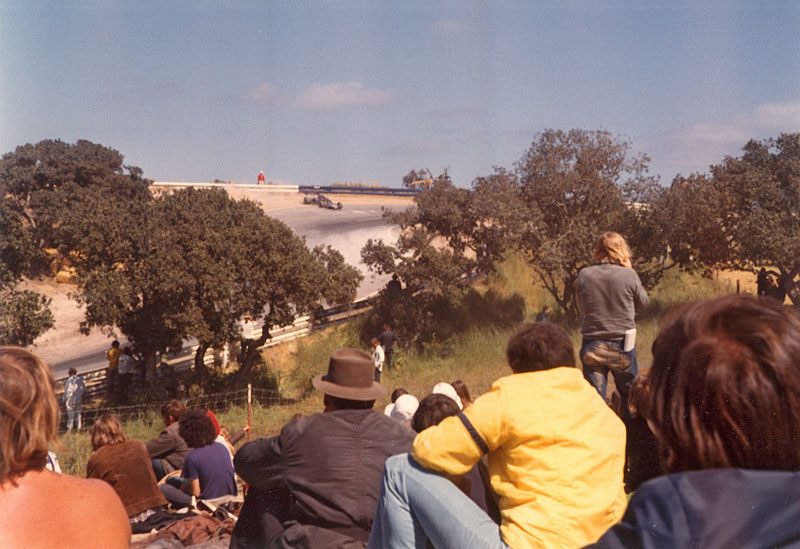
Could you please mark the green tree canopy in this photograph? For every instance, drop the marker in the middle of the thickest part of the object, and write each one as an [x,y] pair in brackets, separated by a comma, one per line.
[190,264]
[744,215]
[566,190]
[577,185]
[42,181]
[24,315]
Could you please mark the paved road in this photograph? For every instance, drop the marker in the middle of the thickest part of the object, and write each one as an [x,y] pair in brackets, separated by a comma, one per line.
[347,230]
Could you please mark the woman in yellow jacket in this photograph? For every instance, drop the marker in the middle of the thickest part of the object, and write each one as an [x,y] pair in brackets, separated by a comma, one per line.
[556,455]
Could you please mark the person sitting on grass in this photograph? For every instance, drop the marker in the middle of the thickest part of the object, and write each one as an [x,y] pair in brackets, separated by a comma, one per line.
[207,470]
[316,483]
[403,409]
[556,456]
[168,450]
[125,465]
[725,408]
[42,508]
[463,392]
[397,393]
[431,411]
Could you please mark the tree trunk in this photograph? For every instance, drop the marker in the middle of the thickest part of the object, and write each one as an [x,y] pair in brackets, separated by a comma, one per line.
[253,345]
[199,362]
[156,388]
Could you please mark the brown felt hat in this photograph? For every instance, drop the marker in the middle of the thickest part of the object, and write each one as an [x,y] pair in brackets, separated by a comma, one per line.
[351,375]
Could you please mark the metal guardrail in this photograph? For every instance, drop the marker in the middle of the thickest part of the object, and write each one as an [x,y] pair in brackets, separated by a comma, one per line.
[305,189]
[310,189]
[96,381]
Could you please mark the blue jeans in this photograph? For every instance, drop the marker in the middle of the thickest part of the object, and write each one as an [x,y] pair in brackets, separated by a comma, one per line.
[597,375]
[417,505]
[72,415]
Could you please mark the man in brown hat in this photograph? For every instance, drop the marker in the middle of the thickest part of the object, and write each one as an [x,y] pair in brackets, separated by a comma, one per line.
[317,483]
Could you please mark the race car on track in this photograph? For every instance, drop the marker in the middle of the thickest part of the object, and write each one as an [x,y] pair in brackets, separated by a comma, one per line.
[322,202]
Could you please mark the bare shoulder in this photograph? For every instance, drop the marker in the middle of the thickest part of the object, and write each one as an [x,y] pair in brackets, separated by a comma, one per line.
[53,510]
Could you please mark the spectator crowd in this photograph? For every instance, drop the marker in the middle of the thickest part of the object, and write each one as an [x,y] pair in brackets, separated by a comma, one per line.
[707,442]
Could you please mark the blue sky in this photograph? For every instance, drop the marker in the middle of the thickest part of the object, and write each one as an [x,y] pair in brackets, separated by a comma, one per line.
[317,92]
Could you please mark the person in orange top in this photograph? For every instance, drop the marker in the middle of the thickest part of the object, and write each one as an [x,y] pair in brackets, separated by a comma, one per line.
[42,508]
[112,356]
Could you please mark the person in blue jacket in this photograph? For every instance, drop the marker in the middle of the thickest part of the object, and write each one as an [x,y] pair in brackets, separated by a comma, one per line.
[725,408]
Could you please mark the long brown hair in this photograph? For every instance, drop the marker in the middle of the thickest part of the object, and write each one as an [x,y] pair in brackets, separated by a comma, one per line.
[725,386]
[107,430]
[28,412]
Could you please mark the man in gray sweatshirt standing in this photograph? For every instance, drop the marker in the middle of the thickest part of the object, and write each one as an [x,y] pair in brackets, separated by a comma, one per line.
[609,294]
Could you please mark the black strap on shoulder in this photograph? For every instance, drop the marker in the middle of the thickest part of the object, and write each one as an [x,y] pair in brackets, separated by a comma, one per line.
[474,433]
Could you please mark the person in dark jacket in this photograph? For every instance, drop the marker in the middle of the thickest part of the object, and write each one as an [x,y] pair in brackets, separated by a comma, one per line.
[168,450]
[387,338]
[317,483]
[725,408]
[641,446]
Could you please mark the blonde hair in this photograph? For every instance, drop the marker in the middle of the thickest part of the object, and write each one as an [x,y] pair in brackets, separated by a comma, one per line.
[107,430]
[29,412]
[614,248]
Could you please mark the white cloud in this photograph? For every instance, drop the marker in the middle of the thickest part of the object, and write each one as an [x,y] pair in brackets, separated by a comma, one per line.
[778,116]
[766,119]
[264,93]
[696,147]
[450,27]
[342,95]
[323,97]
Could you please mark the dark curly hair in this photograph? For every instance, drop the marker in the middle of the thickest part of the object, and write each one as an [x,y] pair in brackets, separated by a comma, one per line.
[432,410]
[539,346]
[196,428]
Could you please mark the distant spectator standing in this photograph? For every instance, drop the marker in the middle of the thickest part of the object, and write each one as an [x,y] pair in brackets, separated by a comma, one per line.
[126,365]
[261,178]
[73,398]
[761,282]
[394,288]
[378,357]
[544,314]
[387,339]
[609,294]
[112,356]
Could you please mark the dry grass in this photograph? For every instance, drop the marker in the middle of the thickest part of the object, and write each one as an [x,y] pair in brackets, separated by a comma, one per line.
[477,357]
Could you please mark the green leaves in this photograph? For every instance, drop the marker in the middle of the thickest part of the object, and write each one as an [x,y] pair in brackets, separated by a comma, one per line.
[745,215]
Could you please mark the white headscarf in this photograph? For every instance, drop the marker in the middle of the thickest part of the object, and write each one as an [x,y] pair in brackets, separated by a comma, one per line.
[448,390]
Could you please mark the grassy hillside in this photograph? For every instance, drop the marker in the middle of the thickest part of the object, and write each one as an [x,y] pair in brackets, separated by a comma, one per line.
[476,357]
